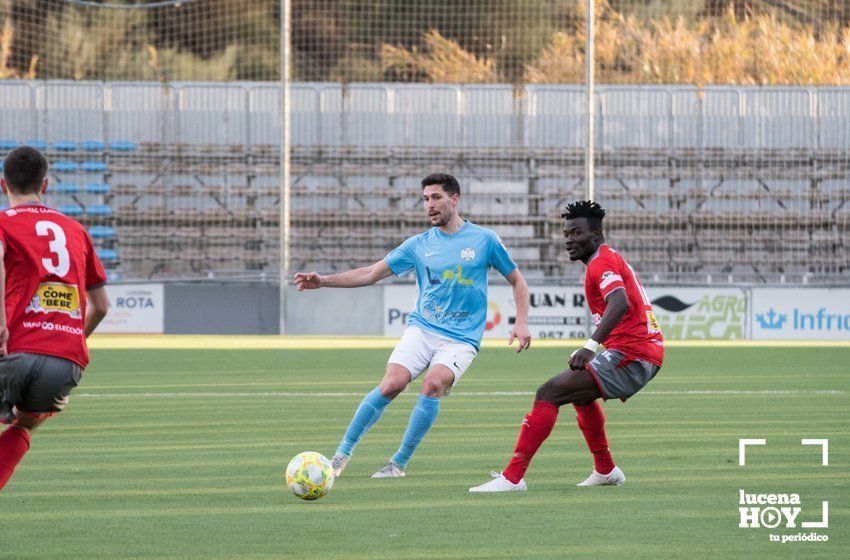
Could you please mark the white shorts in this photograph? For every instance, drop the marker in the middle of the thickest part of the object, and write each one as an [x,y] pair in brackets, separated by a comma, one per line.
[419,349]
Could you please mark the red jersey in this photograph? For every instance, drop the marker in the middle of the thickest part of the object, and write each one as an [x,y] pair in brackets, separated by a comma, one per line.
[50,264]
[638,334]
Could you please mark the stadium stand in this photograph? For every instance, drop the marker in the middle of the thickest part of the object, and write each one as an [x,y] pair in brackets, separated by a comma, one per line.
[693,191]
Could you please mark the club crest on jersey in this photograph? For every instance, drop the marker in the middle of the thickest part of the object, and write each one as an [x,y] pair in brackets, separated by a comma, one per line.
[53,297]
[467,254]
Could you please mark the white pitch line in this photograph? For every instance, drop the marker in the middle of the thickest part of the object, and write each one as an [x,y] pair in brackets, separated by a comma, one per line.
[459,394]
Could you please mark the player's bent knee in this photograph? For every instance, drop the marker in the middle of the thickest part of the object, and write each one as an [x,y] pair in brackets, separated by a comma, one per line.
[395,381]
[391,388]
[28,421]
[545,392]
[561,389]
[434,388]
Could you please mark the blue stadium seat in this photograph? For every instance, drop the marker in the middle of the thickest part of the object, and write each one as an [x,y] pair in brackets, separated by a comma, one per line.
[102,232]
[71,209]
[65,146]
[93,146]
[97,188]
[98,210]
[37,144]
[8,144]
[66,188]
[122,146]
[66,166]
[107,254]
[113,276]
[94,167]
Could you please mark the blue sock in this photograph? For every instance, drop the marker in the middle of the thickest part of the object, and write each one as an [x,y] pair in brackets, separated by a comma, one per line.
[370,411]
[421,420]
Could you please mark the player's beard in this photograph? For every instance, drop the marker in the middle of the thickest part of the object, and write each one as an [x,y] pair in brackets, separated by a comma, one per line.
[444,219]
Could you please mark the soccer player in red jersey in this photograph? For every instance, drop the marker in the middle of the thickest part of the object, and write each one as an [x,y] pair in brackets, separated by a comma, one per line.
[51,298]
[634,351]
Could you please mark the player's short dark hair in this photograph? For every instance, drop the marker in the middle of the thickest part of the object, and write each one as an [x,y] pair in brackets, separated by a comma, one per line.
[585,209]
[24,170]
[449,183]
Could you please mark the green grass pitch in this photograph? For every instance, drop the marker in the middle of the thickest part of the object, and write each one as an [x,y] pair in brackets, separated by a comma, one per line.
[180,454]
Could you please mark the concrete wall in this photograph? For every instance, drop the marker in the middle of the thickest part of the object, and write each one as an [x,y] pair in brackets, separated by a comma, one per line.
[221,309]
[206,308]
[353,312]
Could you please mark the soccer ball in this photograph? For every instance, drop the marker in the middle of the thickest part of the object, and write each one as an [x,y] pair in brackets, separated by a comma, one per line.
[309,475]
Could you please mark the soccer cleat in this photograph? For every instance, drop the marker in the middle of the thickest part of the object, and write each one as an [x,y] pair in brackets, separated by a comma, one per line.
[339,462]
[390,470]
[613,478]
[500,484]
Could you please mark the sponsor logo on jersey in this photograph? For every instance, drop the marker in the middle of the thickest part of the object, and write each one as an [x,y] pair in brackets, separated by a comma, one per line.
[54,297]
[457,276]
[652,325]
[451,276]
[608,278]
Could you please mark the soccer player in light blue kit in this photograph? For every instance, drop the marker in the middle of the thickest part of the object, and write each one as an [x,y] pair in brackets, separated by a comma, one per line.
[444,332]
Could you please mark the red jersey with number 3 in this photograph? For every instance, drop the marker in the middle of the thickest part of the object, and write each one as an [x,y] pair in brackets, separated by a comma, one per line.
[638,334]
[50,264]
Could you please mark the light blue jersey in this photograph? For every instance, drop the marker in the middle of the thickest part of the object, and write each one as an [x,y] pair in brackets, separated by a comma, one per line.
[451,271]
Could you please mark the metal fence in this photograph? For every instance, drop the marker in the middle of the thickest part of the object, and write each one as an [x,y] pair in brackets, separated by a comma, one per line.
[329,115]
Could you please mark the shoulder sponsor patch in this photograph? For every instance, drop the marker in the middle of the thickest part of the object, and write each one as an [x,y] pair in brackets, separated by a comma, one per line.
[55,297]
[608,278]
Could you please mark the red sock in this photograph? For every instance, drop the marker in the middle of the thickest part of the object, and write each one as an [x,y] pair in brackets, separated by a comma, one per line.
[14,443]
[535,429]
[591,420]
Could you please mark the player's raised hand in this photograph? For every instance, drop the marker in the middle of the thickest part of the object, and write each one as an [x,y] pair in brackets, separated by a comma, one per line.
[307,281]
[522,334]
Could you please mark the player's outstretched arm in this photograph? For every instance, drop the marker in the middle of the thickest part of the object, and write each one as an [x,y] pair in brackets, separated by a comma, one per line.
[616,307]
[520,330]
[356,278]
[98,306]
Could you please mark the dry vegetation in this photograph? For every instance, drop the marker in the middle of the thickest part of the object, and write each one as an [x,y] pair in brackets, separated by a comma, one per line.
[743,43]
[7,35]
[749,49]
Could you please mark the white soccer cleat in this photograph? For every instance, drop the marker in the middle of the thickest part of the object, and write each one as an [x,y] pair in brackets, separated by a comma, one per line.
[613,478]
[338,463]
[500,484]
[390,470]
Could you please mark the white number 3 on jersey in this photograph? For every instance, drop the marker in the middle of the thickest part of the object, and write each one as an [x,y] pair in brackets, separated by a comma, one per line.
[58,246]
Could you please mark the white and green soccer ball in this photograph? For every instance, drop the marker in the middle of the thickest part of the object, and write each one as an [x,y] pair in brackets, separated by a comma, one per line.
[309,475]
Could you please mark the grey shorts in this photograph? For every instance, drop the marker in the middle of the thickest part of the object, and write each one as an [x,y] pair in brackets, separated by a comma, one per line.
[36,384]
[619,378]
